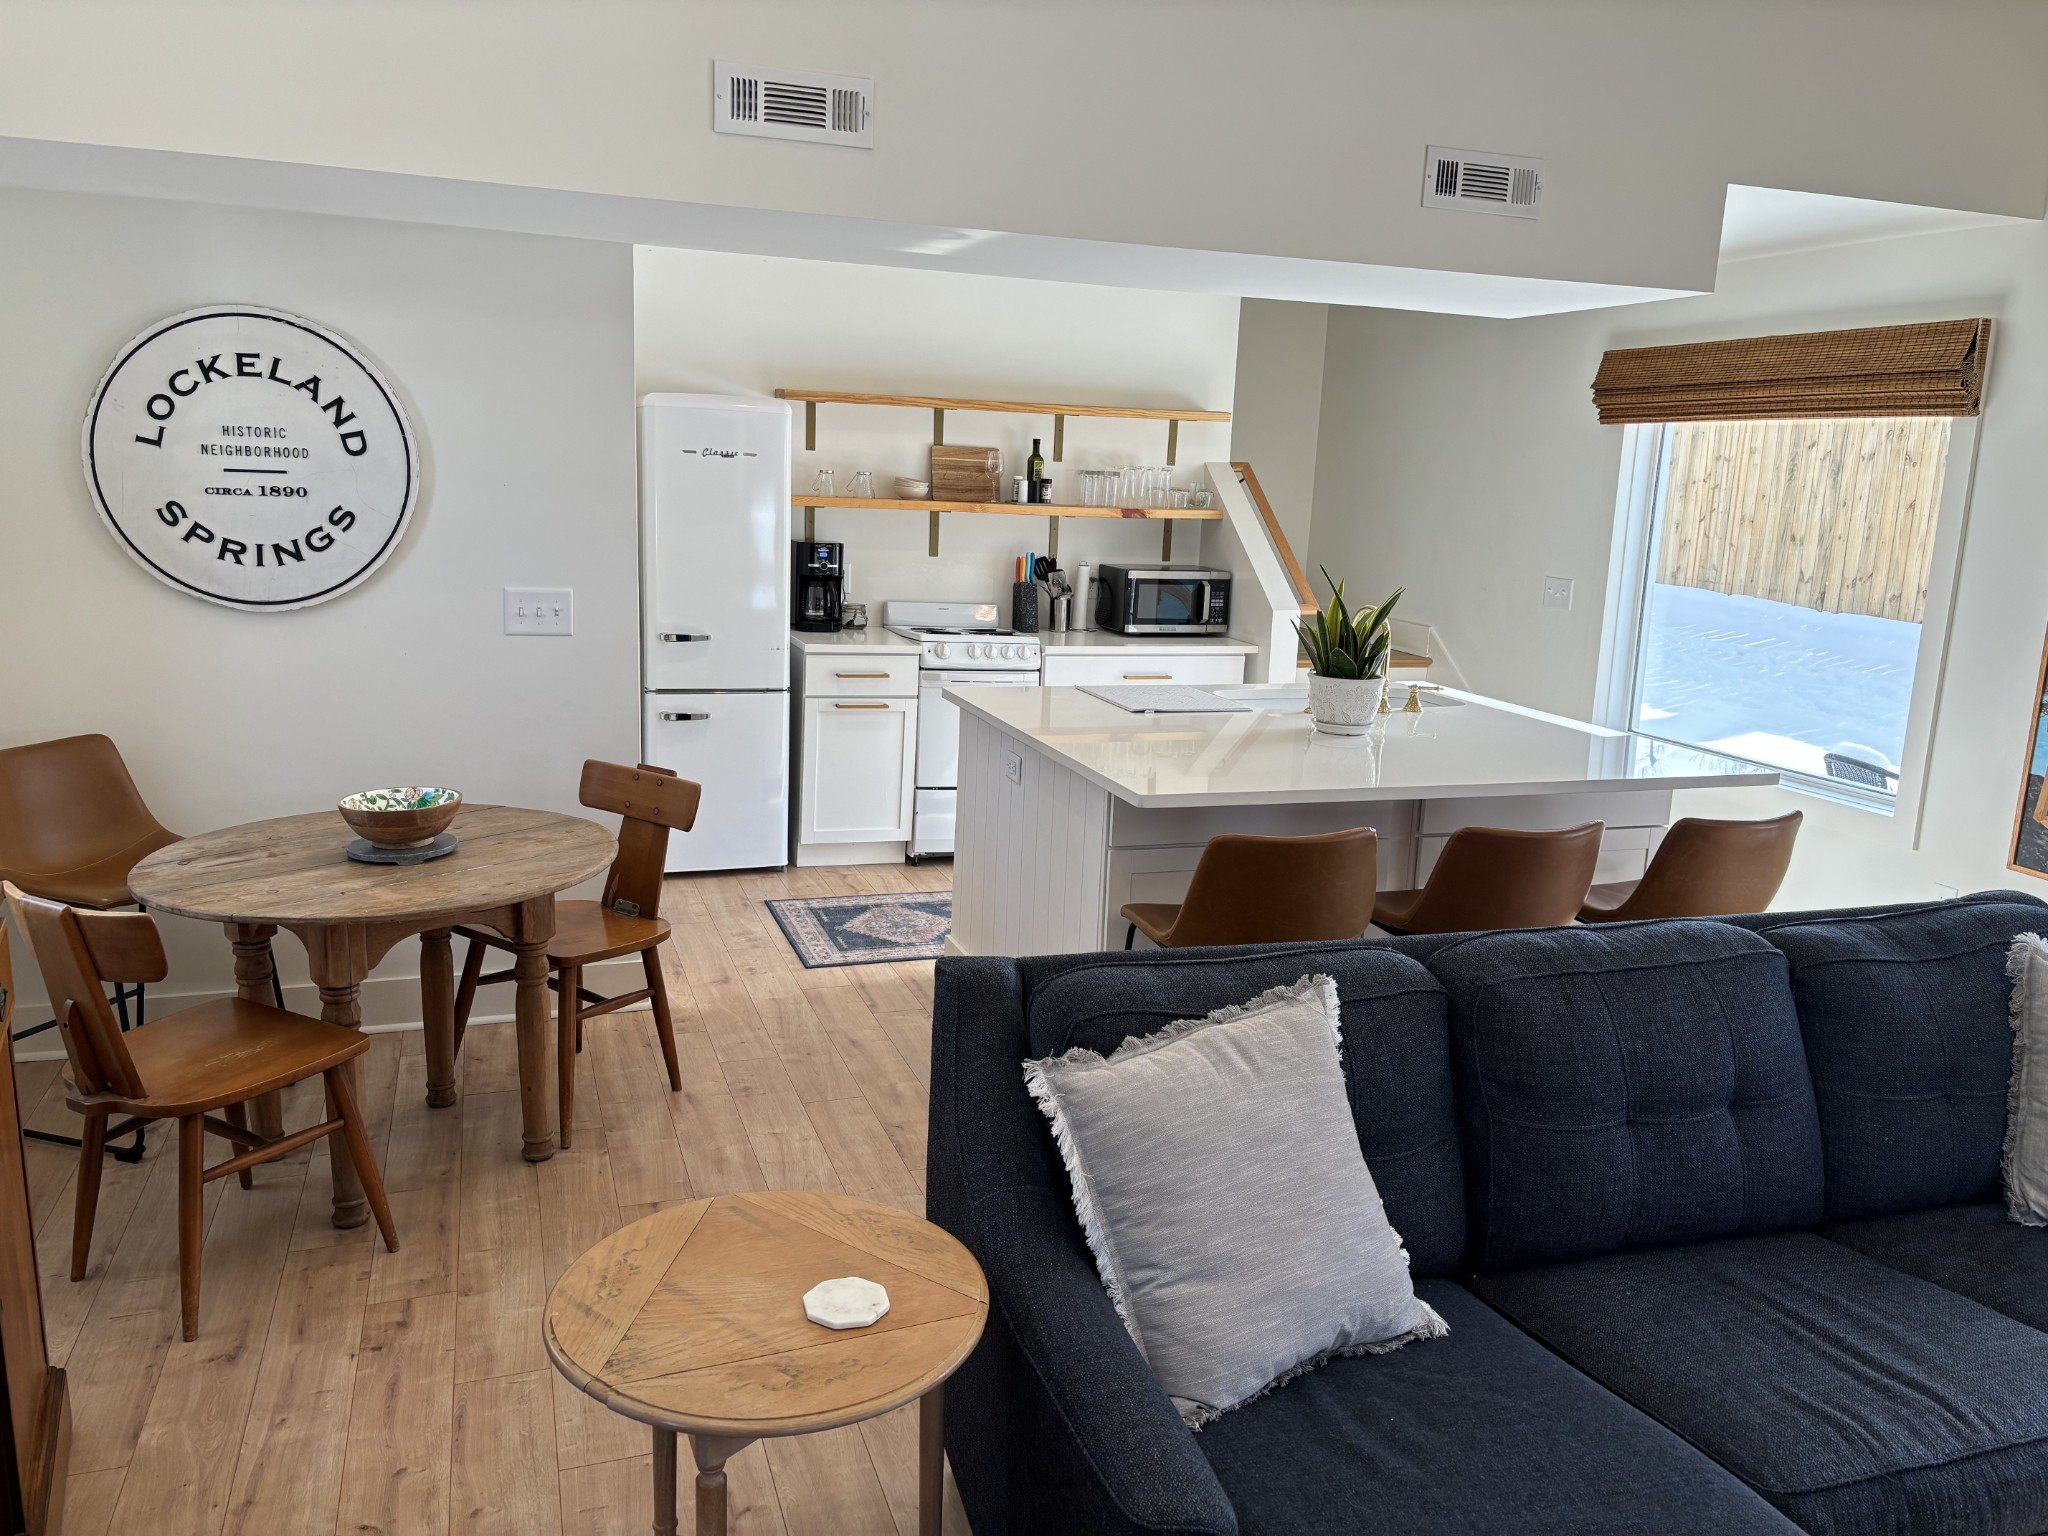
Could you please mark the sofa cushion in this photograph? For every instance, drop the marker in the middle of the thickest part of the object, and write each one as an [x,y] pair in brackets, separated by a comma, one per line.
[1481,1431]
[1853,1396]
[1905,1016]
[1397,1073]
[1973,1250]
[1628,1088]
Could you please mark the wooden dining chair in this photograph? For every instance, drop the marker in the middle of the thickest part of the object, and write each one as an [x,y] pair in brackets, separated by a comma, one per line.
[72,827]
[626,920]
[214,1056]
[1498,877]
[1703,869]
[1268,890]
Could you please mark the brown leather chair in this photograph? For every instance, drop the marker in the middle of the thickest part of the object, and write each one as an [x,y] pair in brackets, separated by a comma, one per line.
[215,1056]
[72,826]
[1703,869]
[1497,877]
[625,921]
[1268,890]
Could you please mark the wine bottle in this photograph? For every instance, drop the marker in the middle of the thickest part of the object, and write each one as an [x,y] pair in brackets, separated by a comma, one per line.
[1034,475]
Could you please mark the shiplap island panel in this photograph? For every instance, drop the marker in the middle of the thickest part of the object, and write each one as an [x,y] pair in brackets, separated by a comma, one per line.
[1070,807]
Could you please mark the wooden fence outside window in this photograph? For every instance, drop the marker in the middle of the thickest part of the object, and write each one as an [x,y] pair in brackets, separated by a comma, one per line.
[1836,515]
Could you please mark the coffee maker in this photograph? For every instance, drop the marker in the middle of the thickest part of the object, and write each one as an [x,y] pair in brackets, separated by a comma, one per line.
[817,586]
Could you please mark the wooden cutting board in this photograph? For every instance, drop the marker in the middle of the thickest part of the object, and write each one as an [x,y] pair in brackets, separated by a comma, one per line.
[966,474]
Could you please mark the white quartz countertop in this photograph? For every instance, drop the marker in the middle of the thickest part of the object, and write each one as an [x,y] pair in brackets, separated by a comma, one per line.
[1466,747]
[874,640]
[1105,642]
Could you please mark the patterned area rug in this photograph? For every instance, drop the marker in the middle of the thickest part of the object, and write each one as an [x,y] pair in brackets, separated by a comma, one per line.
[866,930]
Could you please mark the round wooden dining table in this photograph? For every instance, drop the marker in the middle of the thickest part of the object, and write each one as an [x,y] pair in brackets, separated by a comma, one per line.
[294,873]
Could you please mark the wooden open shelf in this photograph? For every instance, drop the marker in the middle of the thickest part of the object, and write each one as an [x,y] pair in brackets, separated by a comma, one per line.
[1015,509]
[1016,407]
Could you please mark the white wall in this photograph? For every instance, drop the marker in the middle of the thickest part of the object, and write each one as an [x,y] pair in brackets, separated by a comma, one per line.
[1279,405]
[513,356]
[747,325]
[1227,125]
[1462,457]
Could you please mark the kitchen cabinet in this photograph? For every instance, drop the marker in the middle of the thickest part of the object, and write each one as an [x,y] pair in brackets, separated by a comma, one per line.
[859,759]
[1132,666]
[855,746]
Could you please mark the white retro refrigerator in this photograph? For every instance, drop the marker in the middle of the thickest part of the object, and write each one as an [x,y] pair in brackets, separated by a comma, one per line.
[714,608]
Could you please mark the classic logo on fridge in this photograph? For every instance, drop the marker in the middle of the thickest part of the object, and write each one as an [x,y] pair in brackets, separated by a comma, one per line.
[250,457]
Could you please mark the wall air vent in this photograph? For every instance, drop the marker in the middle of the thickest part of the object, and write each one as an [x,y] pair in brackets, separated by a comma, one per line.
[789,104]
[1479,182]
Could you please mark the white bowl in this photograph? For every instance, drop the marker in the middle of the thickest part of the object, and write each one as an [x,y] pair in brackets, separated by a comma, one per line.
[913,490]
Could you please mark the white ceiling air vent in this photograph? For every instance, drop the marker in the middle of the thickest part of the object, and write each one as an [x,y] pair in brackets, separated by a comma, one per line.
[790,104]
[1479,182]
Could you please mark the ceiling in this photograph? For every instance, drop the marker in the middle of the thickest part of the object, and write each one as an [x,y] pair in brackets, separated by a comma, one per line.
[1767,221]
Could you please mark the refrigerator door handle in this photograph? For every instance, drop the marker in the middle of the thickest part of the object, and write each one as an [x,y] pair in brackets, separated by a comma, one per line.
[684,637]
[684,715]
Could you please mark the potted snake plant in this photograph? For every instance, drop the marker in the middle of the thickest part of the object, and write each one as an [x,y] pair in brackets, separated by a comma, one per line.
[1348,651]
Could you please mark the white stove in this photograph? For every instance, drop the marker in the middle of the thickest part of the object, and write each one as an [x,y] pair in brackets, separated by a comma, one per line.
[960,645]
[962,637]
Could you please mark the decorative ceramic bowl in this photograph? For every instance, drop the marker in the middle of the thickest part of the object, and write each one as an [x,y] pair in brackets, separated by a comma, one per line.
[410,817]
[908,489]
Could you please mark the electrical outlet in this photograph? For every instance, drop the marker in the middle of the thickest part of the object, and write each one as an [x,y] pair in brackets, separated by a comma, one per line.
[1013,765]
[540,611]
[1557,592]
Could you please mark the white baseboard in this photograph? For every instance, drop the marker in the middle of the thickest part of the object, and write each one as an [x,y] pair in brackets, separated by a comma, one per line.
[831,855]
[391,1004]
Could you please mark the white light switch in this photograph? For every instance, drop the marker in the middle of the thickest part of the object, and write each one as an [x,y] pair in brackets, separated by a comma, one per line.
[1013,765]
[1557,592]
[539,611]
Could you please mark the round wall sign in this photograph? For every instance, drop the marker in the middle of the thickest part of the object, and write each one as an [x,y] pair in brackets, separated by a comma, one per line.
[250,457]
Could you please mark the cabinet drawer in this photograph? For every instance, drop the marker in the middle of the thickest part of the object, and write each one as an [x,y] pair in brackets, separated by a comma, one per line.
[1141,667]
[883,676]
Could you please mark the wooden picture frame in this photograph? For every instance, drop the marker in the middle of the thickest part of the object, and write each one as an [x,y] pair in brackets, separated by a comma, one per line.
[2027,851]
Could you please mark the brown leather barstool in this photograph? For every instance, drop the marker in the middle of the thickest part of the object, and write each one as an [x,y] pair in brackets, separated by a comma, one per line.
[1268,890]
[1497,877]
[72,827]
[627,920]
[1703,869]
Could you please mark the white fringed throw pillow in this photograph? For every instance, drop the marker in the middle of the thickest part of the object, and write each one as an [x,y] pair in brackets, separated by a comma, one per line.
[1217,1175]
[2026,1115]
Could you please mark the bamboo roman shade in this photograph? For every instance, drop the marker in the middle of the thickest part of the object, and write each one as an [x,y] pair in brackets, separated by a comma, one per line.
[1888,370]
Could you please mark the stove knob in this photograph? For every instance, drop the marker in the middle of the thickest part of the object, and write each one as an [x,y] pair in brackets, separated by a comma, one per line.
[1013,653]
[976,652]
[941,651]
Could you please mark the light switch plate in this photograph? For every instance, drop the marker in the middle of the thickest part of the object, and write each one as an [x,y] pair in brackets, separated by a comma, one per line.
[1557,592]
[1013,765]
[540,611]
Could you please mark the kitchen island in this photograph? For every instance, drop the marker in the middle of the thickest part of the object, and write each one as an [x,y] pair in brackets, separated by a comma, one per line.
[1069,806]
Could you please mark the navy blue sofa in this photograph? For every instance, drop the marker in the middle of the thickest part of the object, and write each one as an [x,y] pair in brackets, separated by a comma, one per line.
[1711,1208]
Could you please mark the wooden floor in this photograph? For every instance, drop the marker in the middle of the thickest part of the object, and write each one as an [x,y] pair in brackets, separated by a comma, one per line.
[335,1388]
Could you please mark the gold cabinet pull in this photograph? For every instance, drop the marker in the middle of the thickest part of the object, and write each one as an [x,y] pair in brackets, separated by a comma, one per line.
[860,706]
[1148,677]
[880,676]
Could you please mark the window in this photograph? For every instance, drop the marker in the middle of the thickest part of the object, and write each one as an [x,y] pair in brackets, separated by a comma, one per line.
[1781,601]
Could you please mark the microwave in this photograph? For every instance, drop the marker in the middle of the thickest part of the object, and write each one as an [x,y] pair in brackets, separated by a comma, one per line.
[1162,600]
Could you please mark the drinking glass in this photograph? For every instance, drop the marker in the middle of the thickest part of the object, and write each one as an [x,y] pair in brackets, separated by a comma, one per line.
[1177,499]
[822,486]
[1199,498]
[863,484]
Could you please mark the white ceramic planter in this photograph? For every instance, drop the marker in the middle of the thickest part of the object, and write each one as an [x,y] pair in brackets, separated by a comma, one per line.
[1344,706]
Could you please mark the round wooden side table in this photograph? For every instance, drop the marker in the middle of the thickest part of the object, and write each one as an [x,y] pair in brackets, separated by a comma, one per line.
[692,1321]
